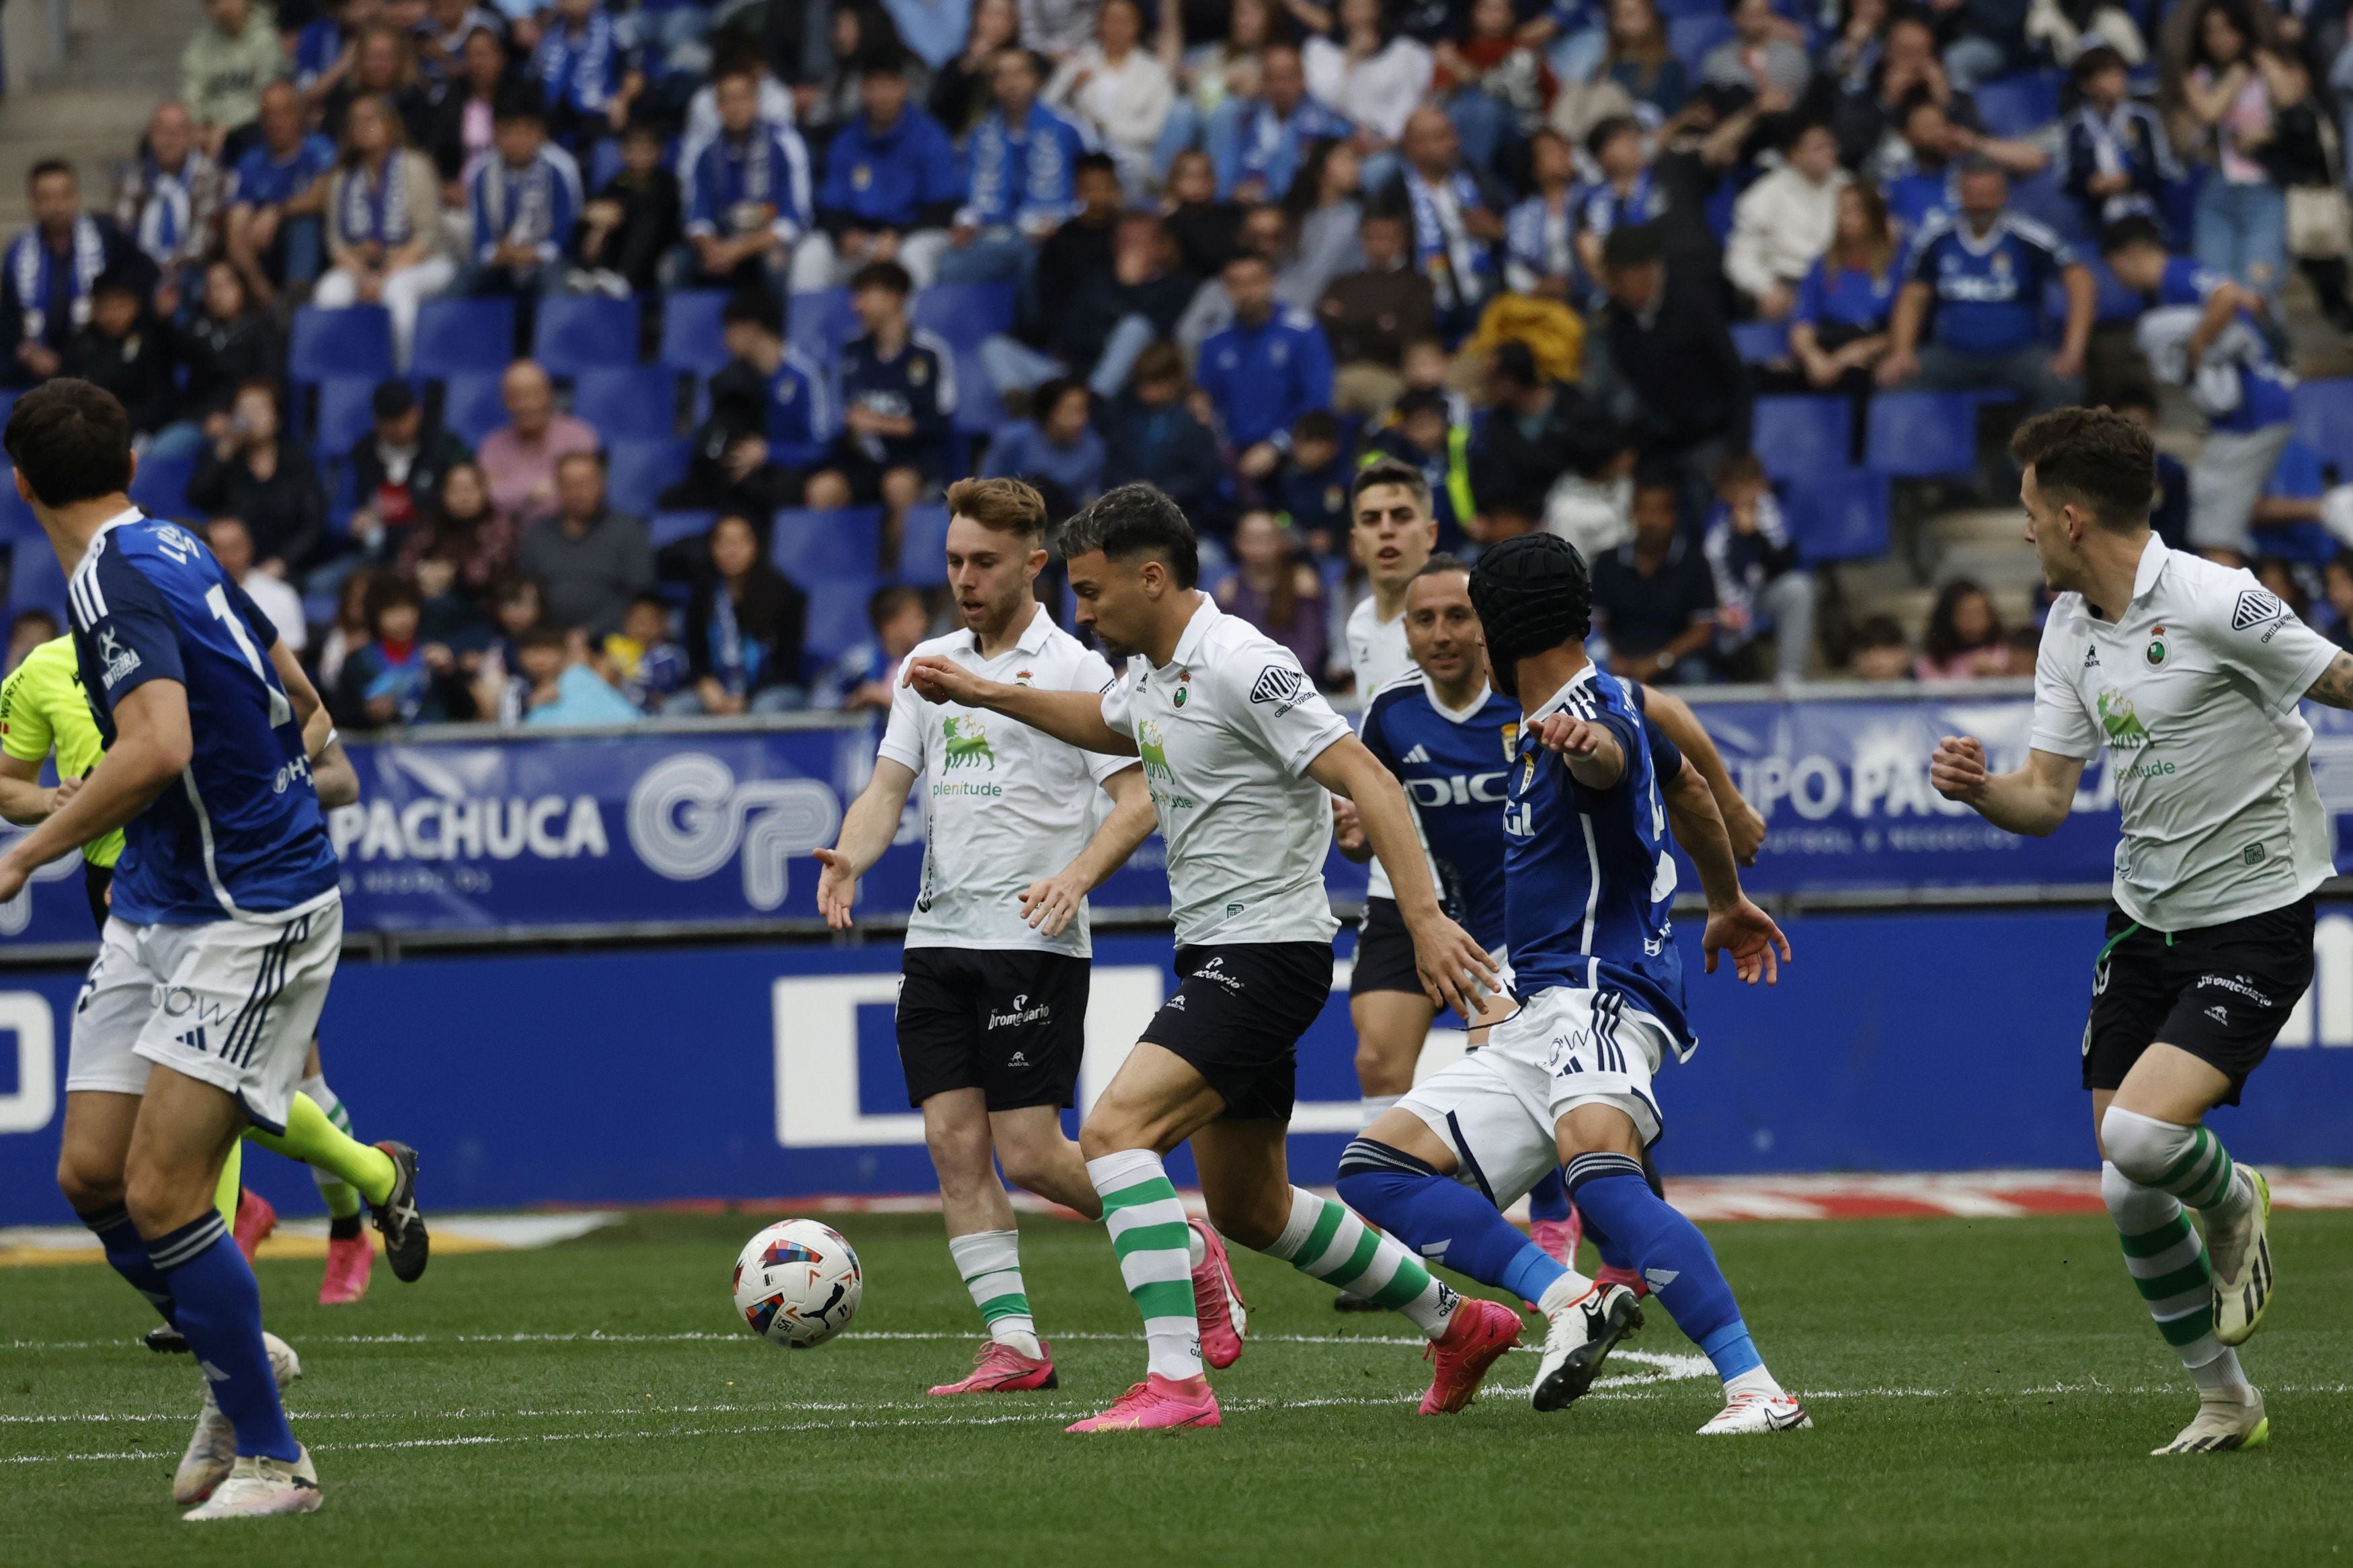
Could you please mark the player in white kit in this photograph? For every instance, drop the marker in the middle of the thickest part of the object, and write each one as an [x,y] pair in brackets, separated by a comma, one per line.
[2188,674]
[993,999]
[1238,751]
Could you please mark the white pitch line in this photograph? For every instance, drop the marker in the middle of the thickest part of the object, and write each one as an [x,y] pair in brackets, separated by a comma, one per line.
[700,1336]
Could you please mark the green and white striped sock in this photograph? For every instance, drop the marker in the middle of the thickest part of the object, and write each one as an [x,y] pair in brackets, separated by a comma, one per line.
[1155,1245]
[2167,1260]
[1325,1239]
[2205,1178]
[990,1262]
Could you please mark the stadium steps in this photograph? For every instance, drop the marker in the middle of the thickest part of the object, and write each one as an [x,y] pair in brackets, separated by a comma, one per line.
[121,59]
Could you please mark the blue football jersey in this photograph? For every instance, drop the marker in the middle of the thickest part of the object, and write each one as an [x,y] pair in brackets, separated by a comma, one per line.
[1588,875]
[242,832]
[1455,768]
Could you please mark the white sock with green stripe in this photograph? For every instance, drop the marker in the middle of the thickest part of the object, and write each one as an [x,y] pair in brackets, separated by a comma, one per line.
[1156,1258]
[2188,1162]
[990,1262]
[2167,1262]
[1325,1238]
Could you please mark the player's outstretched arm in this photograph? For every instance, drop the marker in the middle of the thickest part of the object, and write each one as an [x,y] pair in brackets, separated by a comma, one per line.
[152,743]
[1741,821]
[1073,718]
[867,829]
[1735,925]
[1455,970]
[1594,757]
[24,798]
[2334,687]
[2032,801]
[1050,902]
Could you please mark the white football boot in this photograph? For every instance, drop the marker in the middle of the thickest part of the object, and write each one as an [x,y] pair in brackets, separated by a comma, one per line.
[2241,1258]
[1758,1412]
[212,1451]
[258,1486]
[2227,1419]
[1578,1336]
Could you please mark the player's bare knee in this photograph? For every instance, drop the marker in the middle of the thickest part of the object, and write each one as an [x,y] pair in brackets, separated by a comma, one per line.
[89,1183]
[162,1198]
[1382,1069]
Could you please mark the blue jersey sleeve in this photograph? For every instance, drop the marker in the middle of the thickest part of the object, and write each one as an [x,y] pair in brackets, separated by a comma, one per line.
[256,621]
[126,624]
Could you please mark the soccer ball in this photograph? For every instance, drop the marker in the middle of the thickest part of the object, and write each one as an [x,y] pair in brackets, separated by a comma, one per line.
[796,1284]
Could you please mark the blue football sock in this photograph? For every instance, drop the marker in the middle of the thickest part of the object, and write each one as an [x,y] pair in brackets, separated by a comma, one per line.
[127,1254]
[220,1311]
[1549,1198]
[1669,1252]
[1442,1220]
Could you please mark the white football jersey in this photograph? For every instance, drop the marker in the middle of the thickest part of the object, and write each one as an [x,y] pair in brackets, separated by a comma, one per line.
[1226,729]
[1376,652]
[1004,804]
[2193,691]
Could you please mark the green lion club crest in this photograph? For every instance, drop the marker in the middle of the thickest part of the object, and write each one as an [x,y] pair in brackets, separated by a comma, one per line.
[968,740]
[2126,731]
[1148,746]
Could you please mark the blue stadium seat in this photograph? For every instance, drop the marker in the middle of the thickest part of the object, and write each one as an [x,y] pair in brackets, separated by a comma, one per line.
[585,331]
[820,322]
[2044,198]
[837,620]
[1761,342]
[1796,438]
[817,549]
[462,337]
[17,523]
[159,488]
[2296,476]
[355,341]
[670,527]
[1921,435]
[690,337]
[964,313]
[1689,38]
[924,547]
[35,581]
[1838,516]
[1677,10]
[604,159]
[346,413]
[472,407]
[8,395]
[637,400]
[2018,105]
[637,471]
[2324,419]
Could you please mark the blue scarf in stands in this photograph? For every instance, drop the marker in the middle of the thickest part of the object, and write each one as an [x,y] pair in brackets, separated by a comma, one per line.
[164,216]
[1456,261]
[375,203]
[521,205]
[576,70]
[34,266]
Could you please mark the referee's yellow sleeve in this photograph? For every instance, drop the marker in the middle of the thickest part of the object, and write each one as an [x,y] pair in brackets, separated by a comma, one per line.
[23,728]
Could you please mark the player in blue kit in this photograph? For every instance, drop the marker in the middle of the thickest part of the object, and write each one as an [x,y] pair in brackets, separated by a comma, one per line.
[226,919]
[1588,882]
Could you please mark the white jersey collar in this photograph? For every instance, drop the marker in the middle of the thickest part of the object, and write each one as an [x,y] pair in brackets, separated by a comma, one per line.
[2152,565]
[1582,677]
[1032,639]
[1455,715]
[1196,630]
[129,514]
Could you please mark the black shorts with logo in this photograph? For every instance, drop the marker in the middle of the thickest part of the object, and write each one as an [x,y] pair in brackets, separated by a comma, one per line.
[1384,952]
[1012,1023]
[2221,992]
[1237,1016]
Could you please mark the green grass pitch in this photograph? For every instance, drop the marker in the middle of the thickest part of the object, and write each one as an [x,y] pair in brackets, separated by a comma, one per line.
[1984,1392]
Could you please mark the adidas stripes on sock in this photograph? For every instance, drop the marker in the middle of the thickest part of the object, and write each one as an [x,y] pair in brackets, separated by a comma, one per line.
[990,1262]
[1154,1247]
[2167,1260]
[1325,1239]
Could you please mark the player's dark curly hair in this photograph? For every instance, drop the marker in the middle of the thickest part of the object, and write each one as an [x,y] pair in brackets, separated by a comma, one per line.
[1533,593]
[1131,521]
[71,440]
[2093,457]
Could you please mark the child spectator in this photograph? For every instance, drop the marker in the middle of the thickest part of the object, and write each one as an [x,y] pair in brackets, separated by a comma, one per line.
[635,220]
[747,194]
[1882,652]
[499,682]
[1313,491]
[393,678]
[563,689]
[772,421]
[585,72]
[1760,589]
[1273,590]
[866,674]
[1964,640]
[524,203]
[898,395]
[644,662]
[2116,159]
[744,629]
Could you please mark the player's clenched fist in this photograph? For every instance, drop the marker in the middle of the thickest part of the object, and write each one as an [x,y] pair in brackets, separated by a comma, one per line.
[940,680]
[1571,736]
[1958,770]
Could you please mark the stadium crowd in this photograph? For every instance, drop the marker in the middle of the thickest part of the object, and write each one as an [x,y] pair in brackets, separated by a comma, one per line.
[566,362]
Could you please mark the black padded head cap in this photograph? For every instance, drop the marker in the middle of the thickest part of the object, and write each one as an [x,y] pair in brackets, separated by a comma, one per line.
[1533,593]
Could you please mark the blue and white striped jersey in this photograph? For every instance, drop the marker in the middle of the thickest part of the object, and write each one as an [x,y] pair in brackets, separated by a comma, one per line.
[241,833]
[1589,877]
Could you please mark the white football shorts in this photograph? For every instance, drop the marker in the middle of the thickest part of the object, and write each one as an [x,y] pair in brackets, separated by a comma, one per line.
[1499,1106]
[234,1003]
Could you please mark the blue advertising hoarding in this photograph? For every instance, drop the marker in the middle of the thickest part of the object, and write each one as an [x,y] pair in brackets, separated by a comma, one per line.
[769,1071]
